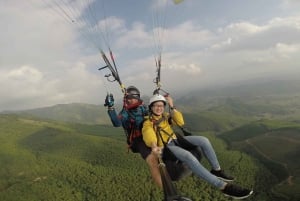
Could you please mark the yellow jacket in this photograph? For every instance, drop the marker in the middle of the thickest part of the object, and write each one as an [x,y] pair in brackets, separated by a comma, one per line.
[166,131]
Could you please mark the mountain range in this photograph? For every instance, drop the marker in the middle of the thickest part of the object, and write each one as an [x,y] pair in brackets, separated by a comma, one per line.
[260,119]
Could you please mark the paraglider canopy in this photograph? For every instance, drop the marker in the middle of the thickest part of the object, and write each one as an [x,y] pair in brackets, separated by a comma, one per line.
[177,1]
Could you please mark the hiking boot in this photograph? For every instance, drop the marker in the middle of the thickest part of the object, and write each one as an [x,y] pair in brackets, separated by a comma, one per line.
[236,192]
[221,175]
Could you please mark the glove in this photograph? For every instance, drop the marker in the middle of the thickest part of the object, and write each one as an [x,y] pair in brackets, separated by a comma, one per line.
[109,100]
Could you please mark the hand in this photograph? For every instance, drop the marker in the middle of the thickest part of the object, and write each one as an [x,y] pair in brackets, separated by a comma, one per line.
[169,100]
[157,150]
[109,100]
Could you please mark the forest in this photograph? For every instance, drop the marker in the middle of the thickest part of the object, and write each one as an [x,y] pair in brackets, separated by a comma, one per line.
[71,152]
[50,160]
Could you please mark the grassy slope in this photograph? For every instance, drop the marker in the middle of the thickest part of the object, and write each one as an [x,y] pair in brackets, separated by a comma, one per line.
[43,160]
[235,113]
[52,161]
[75,112]
[277,145]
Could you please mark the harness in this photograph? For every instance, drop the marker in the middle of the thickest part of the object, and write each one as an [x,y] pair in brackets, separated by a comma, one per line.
[175,167]
[158,129]
[133,129]
[180,140]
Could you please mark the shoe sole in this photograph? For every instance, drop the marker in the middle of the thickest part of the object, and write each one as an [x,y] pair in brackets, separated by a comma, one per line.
[239,198]
[228,180]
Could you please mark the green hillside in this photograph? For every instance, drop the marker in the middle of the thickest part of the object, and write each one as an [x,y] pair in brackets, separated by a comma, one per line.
[233,106]
[74,112]
[252,88]
[217,109]
[53,161]
[67,152]
[277,145]
[47,160]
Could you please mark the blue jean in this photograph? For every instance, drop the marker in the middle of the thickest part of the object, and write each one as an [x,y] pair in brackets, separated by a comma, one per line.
[192,162]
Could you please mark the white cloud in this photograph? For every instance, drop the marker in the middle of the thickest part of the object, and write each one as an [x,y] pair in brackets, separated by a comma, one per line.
[136,37]
[247,36]
[240,30]
[20,83]
[191,69]
[43,63]
[286,50]
[28,87]
[40,62]
[31,36]
[25,73]
[189,35]
[290,3]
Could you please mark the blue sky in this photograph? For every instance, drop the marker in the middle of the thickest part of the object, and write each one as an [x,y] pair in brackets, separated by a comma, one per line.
[44,60]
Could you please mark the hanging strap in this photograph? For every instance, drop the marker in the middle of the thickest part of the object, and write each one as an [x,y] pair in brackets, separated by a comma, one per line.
[134,130]
[183,129]
[181,141]
[158,130]
[167,154]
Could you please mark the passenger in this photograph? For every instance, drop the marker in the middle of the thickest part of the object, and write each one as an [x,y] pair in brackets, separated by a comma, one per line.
[157,135]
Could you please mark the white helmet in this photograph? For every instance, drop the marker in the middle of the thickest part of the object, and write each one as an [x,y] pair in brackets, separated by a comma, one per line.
[157,97]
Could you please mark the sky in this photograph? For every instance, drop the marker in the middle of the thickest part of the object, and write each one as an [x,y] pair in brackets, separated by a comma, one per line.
[49,49]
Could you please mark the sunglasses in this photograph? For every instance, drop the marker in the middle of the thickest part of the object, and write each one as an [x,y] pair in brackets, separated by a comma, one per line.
[132,96]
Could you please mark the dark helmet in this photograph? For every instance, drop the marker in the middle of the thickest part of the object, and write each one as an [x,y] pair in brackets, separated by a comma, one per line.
[132,92]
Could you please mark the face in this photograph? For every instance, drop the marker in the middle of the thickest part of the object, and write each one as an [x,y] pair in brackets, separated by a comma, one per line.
[158,108]
[131,101]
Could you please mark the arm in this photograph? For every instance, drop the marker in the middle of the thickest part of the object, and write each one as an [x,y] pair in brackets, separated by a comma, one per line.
[177,117]
[149,135]
[109,102]
[113,117]
[150,138]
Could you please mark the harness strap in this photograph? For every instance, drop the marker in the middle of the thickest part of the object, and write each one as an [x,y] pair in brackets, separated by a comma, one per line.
[181,141]
[134,130]
[158,130]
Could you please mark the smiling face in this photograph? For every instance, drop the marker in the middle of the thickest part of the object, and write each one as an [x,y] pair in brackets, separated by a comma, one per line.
[158,108]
